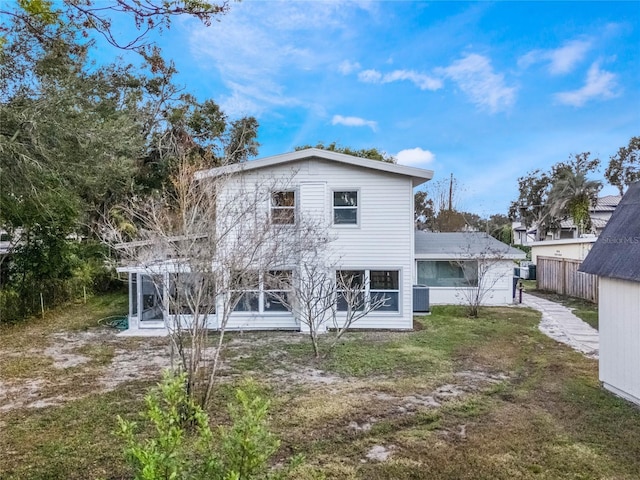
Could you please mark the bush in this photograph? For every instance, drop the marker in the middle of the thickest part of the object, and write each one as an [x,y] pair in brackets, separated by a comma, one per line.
[183,446]
[27,276]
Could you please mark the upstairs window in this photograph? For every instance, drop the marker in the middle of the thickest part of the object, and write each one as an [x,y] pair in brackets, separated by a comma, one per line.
[345,207]
[283,208]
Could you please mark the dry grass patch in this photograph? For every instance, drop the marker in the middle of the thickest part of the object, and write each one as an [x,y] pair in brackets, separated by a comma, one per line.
[460,398]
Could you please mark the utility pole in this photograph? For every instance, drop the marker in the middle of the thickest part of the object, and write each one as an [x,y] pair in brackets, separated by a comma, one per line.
[451,192]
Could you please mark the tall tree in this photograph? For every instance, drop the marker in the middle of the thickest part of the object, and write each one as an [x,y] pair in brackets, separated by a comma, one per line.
[624,166]
[76,140]
[423,210]
[571,194]
[438,207]
[530,206]
[499,226]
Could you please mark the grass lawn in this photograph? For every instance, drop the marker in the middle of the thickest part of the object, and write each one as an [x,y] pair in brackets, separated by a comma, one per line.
[583,309]
[490,398]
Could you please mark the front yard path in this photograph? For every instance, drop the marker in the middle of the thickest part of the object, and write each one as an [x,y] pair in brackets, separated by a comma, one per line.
[559,323]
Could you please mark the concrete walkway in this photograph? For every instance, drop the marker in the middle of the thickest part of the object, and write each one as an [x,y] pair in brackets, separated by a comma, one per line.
[563,326]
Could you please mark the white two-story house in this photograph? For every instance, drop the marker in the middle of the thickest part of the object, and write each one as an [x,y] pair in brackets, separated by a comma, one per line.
[366,209]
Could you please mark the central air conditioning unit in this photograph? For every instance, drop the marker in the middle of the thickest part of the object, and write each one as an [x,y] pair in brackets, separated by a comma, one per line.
[421,299]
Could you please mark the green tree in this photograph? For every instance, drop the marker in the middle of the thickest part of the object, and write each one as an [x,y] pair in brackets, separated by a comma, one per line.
[76,141]
[44,17]
[370,153]
[571,194]
[624,166]
[531,205]
[499,227]
[423,210]
[547,197]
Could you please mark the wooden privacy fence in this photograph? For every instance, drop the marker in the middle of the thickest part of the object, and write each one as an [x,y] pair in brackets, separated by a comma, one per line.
[561,275]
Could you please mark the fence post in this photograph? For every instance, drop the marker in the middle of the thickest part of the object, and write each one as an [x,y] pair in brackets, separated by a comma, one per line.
[42,304]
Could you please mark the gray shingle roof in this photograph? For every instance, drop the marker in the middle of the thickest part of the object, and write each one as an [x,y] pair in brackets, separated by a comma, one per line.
[595,223]
[607,203]
[616,254]
[463,244]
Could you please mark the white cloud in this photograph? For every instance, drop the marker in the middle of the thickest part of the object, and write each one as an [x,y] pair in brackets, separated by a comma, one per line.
[561,60]
[476,78]
[354,122]
[258,44]
[415,156]
[599,84]
[346,67]
[420,80]
[370,76]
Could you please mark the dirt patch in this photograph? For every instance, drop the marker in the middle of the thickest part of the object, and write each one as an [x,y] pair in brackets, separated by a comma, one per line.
[72,359]
[467,383]
[97,360]
[380,453]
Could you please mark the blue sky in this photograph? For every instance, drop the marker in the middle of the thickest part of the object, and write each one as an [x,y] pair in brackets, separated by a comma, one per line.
[486,91]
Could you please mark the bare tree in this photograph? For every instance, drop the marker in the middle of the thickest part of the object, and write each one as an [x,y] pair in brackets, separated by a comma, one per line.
[200,241]
[326,300]
[351,296]
[311,298]
[479,264]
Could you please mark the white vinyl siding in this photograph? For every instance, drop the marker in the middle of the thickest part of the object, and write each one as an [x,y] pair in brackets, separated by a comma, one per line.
[385,234]
[499,279]
[619,329]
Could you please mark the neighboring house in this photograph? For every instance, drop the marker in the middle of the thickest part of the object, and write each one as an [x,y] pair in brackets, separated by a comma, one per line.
[572,248]
[450,263]
[600,213]
[367,206]
[521,234]
[615,258]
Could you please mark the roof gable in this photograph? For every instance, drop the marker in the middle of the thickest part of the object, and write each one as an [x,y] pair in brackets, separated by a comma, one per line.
[616,253]
[418,175]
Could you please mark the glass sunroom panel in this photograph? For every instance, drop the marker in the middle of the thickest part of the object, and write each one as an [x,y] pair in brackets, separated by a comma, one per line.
[134,294]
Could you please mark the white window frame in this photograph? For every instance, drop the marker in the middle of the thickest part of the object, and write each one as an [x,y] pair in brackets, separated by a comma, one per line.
[378,290]
[262,292]
[275,208]
[454,282]
[367,291]
[335,207]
